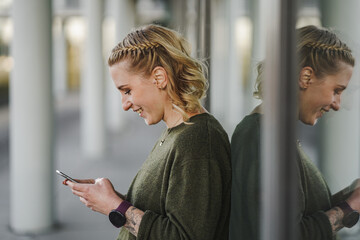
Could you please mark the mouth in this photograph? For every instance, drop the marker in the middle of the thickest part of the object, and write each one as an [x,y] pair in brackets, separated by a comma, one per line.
[323,111]
[139,111]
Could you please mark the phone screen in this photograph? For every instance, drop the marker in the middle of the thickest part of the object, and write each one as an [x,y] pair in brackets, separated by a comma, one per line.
[65,176]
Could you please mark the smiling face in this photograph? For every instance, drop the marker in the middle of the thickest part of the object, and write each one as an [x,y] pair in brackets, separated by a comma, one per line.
[320,95]
[142,94]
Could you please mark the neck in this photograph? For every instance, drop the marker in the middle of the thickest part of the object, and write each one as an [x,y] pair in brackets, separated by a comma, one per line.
[173,117]
[258,109]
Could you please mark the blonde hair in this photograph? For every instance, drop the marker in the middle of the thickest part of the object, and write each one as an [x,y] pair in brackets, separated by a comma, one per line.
[317,48]
[151,46]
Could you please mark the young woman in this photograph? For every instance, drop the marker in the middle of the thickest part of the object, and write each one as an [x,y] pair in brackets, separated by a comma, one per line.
[325,67]
[182,191]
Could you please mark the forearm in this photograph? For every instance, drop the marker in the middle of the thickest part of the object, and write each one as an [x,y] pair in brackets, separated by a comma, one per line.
[133,220]
[335,216]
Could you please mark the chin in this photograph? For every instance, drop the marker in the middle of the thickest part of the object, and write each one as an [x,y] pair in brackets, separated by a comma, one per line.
[310,122]
[314,122]
[150,122]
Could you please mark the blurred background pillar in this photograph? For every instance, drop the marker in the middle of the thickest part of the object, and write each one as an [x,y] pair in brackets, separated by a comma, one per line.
[59,59]
[219,59]
[340,132]
[203,44]
[235,86]
[191,19]
[31,128]
[122,14]
[92,83]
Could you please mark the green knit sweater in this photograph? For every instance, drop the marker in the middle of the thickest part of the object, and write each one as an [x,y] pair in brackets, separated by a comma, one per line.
[314,195]
[184,185]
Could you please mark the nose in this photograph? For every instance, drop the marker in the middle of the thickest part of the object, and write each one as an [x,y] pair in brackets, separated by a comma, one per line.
[126,103]
[335,105]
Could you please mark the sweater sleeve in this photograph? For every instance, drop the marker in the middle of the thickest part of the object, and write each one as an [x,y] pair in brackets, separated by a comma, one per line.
[312,226]
[194,205]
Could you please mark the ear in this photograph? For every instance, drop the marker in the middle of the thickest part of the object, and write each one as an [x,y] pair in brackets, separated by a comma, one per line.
[159,76]
[306,77]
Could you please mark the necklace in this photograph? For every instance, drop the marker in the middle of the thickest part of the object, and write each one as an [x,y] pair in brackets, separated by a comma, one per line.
[168,131]
[165,135]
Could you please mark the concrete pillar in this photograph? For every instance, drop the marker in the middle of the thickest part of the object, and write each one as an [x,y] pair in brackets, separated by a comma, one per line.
[59,59]
[235,87]
[31,128]
[258,9]
[219,73]
[92,84]
[123,14]
[191,19]
[340,131]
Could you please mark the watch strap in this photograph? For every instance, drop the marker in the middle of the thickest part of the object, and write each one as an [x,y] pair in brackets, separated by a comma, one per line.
[351,216]
[123,207]
[345,207]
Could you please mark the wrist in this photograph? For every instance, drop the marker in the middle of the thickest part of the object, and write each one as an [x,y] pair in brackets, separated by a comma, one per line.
[115,203]
[117,216]
[351,216]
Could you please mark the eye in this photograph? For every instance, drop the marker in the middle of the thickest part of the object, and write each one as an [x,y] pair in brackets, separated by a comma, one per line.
[127,92]
[338,91]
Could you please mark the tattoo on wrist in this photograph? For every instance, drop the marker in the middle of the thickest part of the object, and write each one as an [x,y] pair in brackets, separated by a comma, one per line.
[335,216]
[133,219]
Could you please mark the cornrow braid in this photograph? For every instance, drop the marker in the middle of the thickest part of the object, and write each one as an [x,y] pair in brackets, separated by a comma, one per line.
[121,51]
[326,47]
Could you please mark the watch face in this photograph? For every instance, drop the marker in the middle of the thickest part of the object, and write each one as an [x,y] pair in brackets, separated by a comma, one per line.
[351,219]
[117,219]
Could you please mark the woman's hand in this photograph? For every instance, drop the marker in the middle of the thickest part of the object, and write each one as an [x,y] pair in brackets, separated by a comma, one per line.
[354,199]
[99,195]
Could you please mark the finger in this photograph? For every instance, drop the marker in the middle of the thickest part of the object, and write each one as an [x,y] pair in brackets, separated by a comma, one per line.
[69,183]
[76,186]
[88,181]
[64,182]
[77,193]
[83,200]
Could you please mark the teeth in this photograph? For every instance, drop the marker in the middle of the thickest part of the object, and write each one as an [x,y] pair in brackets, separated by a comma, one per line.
[139,111]
[322,111]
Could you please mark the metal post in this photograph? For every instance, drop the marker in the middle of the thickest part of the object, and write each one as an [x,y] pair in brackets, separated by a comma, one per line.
[278,183]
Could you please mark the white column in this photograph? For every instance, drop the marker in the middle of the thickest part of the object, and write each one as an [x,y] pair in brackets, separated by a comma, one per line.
[258,46]
[92,84]
[340,131]
[59,59]
[235,86]
[191,19]
[123,14]
[219,96]
[31,128]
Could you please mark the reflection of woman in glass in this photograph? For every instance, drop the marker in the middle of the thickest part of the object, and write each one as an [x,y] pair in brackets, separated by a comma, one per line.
[182,191]
[325,67]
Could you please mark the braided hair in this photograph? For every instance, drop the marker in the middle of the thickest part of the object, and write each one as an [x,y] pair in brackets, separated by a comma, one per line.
[151,46]
[317,48]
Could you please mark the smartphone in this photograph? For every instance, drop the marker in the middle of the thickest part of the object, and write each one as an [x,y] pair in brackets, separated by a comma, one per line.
[65,176]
